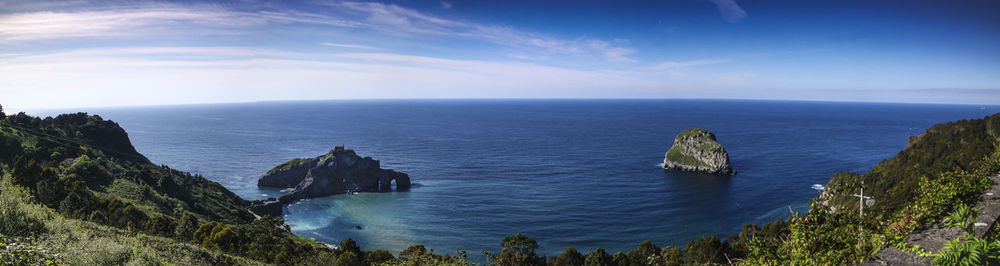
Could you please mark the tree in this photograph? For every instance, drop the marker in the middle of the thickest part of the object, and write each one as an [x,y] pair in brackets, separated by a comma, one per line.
[707,249]
[598,257]
[670,256]
[640,255]
[161,225]
[26,173]
[412,252]
[50,192]
[570,257]
[134,215]
[620,259]
[348,245]
[186,226]
[204,233]
[2,115]
[518,249]
[348,259]
[78,201]
[10,147]
[376,257]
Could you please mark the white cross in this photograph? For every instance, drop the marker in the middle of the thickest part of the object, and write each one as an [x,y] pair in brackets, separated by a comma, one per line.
[861,201]
[861,210]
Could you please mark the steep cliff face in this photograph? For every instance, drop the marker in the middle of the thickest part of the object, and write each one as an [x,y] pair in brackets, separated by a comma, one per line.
[337,172]
[697,150]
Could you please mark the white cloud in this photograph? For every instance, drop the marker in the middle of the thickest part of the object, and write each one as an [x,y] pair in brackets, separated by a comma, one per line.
[398,20]
[344,45]
[146,21]
[666,65]
[154,20]
[730,10]
[166,75]
[445,5]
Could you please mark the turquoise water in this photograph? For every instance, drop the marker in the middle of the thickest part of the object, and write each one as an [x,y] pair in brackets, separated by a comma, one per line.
[581,173]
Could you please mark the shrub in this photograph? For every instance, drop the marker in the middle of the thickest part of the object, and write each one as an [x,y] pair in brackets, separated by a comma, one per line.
[969,251]
[14,220]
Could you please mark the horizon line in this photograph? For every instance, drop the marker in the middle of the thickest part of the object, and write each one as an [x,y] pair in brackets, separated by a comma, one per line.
[484,99]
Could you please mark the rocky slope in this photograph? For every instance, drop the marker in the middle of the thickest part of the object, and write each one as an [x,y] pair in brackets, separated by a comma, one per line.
[697,149]
[338,172]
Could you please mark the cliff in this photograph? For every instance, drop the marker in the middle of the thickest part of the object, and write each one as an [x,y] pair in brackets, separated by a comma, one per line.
[337,172]
[958,145]
[697,149]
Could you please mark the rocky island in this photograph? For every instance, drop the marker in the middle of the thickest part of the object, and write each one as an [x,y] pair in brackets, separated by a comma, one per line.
[340,171]
[697,149]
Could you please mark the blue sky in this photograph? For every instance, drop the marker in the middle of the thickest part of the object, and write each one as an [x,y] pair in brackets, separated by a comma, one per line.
[66,54]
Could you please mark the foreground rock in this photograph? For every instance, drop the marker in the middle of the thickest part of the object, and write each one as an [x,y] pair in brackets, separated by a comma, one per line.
[932,237]
[696,149]
[341,171]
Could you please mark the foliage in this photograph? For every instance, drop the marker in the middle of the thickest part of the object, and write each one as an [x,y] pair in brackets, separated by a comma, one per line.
[20,251]
[14,221]
[620,259]
[419,255]
[375,257]
[77,192]
[943,148]
[960,218]
[969,251]
[675,155]
[705,250]
[598,257]
[518,249]
[570,257]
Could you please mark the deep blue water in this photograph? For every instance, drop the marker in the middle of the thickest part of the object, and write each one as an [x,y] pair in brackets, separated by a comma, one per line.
[580,173]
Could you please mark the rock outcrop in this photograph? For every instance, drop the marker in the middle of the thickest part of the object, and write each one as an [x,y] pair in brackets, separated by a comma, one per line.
[340,171]
[697,149]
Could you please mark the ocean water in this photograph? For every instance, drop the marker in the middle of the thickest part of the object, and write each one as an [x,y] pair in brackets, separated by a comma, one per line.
[580,173]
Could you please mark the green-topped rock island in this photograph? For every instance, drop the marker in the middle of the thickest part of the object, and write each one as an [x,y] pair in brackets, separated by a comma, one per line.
[697,150]
[340,171]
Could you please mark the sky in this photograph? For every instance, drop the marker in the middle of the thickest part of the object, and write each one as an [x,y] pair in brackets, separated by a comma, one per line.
[64,54]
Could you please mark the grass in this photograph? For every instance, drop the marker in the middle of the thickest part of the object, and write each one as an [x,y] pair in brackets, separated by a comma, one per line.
[130,192]
[33,233]
[675,155]
[692,131]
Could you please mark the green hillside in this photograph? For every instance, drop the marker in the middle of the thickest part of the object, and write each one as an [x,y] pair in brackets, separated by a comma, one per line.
[74,191]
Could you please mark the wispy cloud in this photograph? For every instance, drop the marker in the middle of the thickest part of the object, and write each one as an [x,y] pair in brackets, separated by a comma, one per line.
[146,20]
[730,11]
[398,20]
[344,45]
[159,19]
[667,65]
[251,74]
[445,5]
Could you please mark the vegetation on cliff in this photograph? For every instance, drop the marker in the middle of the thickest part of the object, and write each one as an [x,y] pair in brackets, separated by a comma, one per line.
[74,191]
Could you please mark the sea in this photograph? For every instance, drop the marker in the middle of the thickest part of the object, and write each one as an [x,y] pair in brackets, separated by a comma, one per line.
[567,173]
